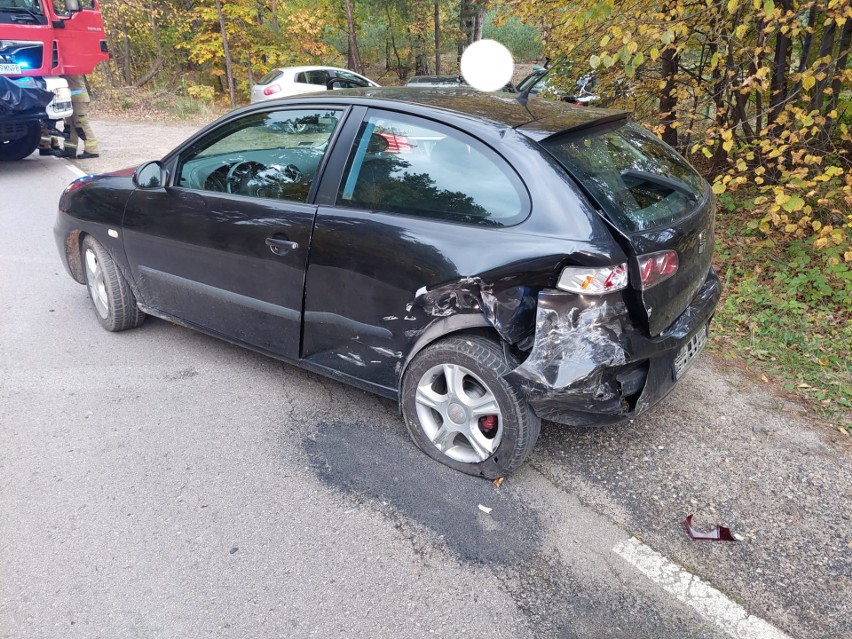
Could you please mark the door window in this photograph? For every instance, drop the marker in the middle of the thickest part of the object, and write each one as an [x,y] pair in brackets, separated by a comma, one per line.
[355,79]
[274,154]
[412,166]
[313,77]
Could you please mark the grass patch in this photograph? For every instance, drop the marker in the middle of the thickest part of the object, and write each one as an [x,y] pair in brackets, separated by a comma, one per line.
[176,106]
[787,312]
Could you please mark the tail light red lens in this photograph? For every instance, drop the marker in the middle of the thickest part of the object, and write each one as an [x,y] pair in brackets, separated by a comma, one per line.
[396,143]
[657,267]
[593,281]
[271,89]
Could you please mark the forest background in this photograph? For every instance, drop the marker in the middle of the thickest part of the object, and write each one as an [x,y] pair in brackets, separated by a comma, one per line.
[755,93]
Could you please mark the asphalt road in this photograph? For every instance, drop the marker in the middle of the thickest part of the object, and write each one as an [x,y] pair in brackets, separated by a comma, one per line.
[162,483]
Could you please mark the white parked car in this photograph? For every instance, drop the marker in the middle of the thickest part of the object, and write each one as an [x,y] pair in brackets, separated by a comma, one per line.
[285,81]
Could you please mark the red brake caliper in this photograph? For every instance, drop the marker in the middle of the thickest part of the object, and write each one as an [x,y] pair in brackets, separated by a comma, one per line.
[488,425]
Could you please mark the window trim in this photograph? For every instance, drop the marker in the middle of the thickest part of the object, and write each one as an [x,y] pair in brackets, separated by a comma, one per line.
[479,145]
[175,162]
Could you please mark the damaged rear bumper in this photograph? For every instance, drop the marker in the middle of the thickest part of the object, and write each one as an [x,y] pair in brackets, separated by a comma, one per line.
[592,365]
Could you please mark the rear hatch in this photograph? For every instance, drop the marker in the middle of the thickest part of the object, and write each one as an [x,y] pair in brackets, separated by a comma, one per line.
[653,200]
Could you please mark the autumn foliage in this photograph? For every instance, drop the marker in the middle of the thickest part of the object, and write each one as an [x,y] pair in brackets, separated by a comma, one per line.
[755,91]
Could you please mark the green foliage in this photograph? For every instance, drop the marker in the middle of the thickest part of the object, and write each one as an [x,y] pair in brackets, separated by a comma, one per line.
[523,40]
[788,313]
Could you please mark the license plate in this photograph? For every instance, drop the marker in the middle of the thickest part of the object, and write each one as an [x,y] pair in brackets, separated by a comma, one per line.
[690,350]
[10,69]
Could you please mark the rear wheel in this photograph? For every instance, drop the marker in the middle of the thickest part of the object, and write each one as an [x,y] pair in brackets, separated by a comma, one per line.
[460,411]
[115,304]
[14,150]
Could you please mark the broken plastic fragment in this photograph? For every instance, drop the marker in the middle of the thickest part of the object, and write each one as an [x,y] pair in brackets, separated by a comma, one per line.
[485,509]
[498,482]
[721,533]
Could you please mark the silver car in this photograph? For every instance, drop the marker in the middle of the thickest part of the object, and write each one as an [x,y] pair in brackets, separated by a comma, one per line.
[285,81]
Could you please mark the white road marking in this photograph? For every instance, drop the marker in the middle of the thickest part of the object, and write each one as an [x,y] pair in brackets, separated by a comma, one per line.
[75,170]
[711,604]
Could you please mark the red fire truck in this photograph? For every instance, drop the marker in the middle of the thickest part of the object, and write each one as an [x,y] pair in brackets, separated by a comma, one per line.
[40,40]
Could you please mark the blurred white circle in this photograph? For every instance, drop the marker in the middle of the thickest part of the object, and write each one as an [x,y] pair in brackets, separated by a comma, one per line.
[487,65]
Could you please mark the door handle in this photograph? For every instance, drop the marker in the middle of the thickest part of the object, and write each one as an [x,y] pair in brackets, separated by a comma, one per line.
[281,247]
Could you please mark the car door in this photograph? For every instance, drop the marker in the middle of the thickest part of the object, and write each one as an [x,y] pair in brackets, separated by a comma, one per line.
[224,247]
[419,204]
[312,81]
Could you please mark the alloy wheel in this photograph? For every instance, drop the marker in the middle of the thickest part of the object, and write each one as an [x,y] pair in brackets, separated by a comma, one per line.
[459,413]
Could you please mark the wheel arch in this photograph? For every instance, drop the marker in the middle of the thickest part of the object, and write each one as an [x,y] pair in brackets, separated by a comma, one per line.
[454,325]
[74,255]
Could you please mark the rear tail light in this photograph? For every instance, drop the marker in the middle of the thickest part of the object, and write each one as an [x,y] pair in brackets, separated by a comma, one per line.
[657,267]
[396,143]
[271,89]
[593,281]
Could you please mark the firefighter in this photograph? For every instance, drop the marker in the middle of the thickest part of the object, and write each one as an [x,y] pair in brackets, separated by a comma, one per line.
[78,125]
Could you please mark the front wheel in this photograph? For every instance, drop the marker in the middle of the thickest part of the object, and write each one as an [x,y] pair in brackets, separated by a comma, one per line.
[14,150]
[460,410]
[115,304]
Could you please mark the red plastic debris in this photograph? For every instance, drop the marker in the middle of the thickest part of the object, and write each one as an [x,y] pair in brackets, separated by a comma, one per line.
[721,533]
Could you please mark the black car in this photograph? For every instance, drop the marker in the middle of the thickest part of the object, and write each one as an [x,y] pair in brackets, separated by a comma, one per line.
[488,264]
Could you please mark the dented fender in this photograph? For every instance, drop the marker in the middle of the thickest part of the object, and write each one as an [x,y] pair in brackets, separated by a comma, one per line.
[590,364]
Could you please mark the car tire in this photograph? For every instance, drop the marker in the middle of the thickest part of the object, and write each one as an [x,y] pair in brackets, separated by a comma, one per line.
[483,427]
[114,302]
[14,150]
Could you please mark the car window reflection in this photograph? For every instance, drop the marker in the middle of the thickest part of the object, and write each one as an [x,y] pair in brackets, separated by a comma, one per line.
[402,167]
[267,155]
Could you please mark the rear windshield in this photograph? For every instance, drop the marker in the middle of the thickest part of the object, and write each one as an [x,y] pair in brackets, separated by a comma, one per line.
[640,182]
[271,76]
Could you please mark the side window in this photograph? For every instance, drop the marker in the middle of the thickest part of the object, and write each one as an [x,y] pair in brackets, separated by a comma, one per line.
[411,166]
[267,155]
[317,77]
[357,79]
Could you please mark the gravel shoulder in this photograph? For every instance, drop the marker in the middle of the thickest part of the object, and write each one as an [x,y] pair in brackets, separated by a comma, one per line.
[720,446]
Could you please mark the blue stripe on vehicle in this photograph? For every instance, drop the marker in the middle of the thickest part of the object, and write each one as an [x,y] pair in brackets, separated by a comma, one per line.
[355,169]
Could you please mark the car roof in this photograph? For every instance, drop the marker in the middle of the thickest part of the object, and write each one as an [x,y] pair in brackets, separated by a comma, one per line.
[315,67]
[434,78]
[540,118]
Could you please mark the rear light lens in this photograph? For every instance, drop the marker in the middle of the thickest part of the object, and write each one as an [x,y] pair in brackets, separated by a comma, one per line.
[593,281]
[271,89]
[657,267]
[396,143]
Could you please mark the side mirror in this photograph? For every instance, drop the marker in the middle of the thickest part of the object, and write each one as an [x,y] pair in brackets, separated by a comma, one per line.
[73,6]
[150,175]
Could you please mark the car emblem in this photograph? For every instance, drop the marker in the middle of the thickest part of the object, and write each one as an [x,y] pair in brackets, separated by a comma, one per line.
[702,241]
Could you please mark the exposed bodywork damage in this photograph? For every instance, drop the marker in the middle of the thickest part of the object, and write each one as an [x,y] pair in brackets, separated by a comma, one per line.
[577,349]
[591,364]
[510,311]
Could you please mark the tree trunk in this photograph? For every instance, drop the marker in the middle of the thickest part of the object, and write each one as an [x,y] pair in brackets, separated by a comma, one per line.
[478,22]
[353,59]
[250,70]
[840,65]
[155,68]
[228,63]
[778,86]
[125,63]
[466,19]
[668,98]
[826,48]
[437,39]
